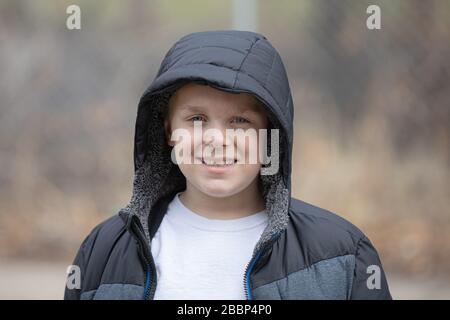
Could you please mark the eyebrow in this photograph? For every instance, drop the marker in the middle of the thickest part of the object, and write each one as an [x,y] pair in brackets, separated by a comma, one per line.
[195,108]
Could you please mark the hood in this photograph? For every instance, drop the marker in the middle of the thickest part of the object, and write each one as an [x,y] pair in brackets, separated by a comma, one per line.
[235,61]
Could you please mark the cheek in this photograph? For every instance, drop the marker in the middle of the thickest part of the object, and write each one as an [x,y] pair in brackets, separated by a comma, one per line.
[190,147]
[181,139]
[251,150]
[245,174]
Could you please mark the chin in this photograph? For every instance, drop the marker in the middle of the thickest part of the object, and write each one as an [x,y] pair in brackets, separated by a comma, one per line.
[219,190]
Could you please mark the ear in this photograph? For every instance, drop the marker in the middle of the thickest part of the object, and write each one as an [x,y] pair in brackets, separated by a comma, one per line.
[167,132]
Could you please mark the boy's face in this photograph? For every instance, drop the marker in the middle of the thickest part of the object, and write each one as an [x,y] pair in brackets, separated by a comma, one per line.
[220,161]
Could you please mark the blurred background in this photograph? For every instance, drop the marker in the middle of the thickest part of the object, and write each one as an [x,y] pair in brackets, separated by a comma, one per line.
[372,117]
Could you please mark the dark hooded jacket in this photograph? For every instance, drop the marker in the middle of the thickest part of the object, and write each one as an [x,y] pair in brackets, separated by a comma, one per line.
[305,252]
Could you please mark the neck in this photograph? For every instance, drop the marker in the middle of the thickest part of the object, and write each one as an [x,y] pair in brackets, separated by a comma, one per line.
[247,202]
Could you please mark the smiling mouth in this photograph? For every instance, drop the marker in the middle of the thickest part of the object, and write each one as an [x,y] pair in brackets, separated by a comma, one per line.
[218,162]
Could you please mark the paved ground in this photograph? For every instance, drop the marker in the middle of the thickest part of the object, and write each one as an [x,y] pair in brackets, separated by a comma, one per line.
[42,280]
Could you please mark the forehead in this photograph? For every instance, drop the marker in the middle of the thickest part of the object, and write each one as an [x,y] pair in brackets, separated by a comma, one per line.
[202,98]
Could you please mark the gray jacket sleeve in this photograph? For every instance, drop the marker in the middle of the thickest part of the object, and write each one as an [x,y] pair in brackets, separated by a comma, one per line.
[81,261]
[369,281]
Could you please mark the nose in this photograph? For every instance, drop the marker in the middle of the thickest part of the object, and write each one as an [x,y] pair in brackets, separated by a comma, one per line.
[217,137]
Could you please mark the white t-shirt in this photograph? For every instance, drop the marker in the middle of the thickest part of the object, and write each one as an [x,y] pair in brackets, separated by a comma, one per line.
[201,258]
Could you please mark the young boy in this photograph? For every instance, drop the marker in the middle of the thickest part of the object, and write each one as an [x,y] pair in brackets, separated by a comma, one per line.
[207,221]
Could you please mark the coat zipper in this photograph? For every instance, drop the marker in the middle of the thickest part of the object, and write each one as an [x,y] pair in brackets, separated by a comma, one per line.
[150,278]
[248,269]
[250,266]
